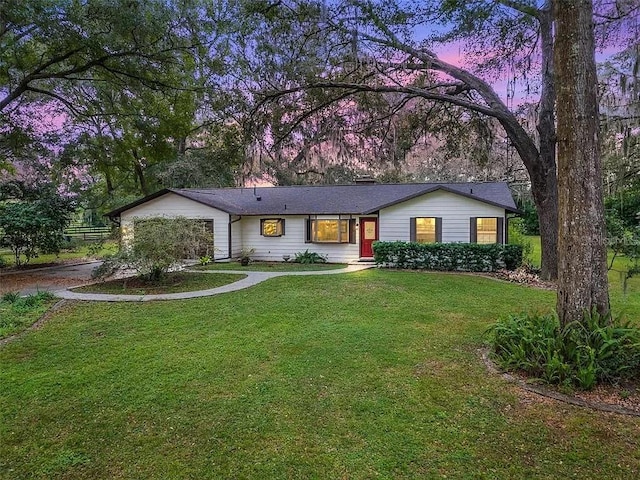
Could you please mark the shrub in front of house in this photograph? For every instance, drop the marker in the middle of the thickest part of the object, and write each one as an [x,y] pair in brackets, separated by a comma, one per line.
[463,257]
[308,257]
[600,349]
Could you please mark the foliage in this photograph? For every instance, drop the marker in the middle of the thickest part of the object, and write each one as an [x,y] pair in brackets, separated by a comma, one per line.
[245,256]
[18,313]
[138,86]
[308,257]
[518,236]
[580,354]
[468,257]
[35,223]
[623,239]
[10,297]
[158,245]
[529,216]
[204,260]
[624,207]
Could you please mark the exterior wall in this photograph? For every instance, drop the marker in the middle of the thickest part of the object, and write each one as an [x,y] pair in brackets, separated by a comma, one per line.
[172,205]
[455,211]
[293,241]
[236,236]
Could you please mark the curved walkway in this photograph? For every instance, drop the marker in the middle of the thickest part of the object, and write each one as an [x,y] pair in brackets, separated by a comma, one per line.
[251,279]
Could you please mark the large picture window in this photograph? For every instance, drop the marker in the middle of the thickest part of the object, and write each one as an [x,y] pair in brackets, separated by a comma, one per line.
[426,229]
[330,231]
[272,227]
[487,230]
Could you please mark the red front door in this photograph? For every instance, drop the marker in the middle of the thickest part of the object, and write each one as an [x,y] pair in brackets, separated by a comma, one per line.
[368,235]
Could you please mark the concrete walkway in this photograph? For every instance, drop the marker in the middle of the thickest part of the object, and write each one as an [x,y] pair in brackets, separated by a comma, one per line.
[251,279]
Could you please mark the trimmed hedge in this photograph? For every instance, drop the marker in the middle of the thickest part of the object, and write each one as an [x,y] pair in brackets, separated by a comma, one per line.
[465,257]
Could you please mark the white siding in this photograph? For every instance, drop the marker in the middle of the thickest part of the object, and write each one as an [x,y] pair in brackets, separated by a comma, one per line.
[293,241]
[172,205]
[455,211]
[236,237]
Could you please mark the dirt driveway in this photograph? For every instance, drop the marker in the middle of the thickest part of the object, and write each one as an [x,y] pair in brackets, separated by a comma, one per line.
[48,278]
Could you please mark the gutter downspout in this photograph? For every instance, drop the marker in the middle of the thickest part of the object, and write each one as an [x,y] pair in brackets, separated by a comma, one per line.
[230,240]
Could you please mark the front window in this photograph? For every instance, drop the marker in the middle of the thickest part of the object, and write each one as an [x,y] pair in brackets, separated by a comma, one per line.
[330,231]
[272,227]
[426,230]
[486,230]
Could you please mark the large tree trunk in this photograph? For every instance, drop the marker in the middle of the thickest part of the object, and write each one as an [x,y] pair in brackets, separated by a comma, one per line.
[542,172]
[582,273]
[546,187]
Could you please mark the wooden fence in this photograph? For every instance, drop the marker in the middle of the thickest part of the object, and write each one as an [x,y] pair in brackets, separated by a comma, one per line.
[88,233]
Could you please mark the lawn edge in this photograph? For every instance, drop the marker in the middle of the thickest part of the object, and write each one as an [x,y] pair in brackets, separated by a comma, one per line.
[552,394]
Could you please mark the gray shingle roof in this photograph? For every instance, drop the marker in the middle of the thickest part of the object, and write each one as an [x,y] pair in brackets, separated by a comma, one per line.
[329,199]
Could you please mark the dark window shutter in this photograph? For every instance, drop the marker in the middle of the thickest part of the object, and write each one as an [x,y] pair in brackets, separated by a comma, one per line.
[412,229]
[439,229]
[352,230]
[282,224]
[262,226]
[473,230]
[307,238]
[500,222]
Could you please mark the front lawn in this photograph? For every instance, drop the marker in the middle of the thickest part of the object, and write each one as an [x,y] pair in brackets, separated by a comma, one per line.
[272,266]
[174,282]
[17,314]
[374,374]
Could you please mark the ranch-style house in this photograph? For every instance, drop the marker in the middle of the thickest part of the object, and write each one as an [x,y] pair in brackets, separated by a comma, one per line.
[339,221]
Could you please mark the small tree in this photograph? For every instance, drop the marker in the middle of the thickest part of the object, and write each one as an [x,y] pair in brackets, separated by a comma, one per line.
[32,227]
[160,244]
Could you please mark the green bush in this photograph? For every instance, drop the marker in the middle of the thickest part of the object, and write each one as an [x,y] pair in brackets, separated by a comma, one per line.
[529,216]
[34,223]
[10,297]
[581,354]
[518,236]
[468,257]
[158,245]
[308,257]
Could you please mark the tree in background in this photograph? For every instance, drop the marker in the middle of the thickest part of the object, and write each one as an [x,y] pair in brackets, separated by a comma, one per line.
[385,54]
[126,84]
[33,219]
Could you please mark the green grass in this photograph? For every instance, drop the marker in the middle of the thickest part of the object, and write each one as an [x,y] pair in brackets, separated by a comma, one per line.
[368,375]
[18,314]
[79,253]
[272,266]
[172,283]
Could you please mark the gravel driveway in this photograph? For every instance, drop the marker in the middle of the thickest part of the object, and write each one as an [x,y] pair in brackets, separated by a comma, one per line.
[48,278]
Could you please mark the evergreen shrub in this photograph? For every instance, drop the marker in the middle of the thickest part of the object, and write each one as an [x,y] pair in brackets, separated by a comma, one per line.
[464,257]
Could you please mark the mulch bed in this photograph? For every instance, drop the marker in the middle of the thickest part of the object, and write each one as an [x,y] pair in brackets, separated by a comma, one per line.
[622,399]
[523,276]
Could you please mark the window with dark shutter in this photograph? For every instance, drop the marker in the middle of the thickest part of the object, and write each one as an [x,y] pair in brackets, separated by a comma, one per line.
[487,230]
[425,229]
